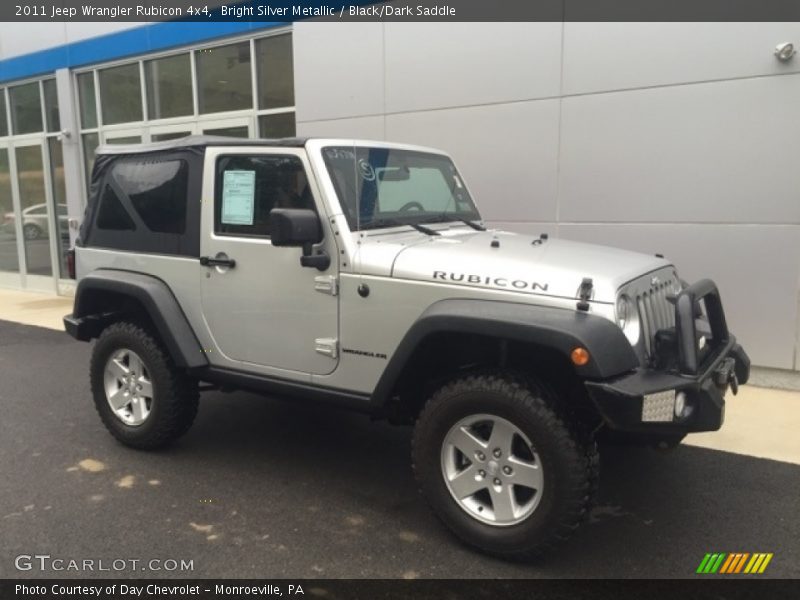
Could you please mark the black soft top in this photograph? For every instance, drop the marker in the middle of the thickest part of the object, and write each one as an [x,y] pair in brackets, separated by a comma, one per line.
[198,142]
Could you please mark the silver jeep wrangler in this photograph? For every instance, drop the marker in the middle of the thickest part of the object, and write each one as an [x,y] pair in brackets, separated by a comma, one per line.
[380,289]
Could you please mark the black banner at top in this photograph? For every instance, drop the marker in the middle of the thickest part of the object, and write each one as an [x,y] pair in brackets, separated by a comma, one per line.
[399,10]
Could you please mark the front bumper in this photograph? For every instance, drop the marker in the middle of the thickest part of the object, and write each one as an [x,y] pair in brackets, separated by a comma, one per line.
[644,401]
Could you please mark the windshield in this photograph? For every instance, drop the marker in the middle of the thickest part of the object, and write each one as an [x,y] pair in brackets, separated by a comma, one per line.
[383,187]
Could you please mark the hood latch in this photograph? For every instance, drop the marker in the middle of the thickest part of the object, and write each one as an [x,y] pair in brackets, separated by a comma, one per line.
[585,293]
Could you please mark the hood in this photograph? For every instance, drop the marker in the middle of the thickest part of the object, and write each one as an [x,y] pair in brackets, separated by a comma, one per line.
[505,261]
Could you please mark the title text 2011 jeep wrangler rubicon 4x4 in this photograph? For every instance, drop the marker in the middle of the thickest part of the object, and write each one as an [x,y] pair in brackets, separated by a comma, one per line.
[368,266]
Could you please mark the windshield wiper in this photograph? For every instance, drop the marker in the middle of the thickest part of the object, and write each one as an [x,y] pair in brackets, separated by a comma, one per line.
[397,223]
[446,219]
[473,224]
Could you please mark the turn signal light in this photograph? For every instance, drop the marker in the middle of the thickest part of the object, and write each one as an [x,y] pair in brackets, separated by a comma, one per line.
[580,356]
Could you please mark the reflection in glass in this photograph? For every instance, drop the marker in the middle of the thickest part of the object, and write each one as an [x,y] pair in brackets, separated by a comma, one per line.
[224,81]
[128,139]
[26,108]
[276,126]
[30,174]
[172,135]
[53,121]
[169,87]
[9,261]
[60,201]
[87,100]
[275,72]
[3,121]
[120,94]
[90,143]
[239,132]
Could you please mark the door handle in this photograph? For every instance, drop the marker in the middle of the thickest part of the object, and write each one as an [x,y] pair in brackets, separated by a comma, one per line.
[207,261]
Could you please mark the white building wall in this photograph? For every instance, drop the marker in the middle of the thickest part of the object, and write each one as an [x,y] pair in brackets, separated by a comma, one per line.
[679,138]
[16,40]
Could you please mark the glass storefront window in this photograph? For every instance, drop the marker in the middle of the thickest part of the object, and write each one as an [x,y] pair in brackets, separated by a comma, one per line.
[120,94]
[223,78]
[26,108]
[9,261]
[275,72]
[3,121]
[90,143]
[276,126]
[126,139]
[88,100]
[60,200]
[239,132]
[172,135]
[53,121]
[35,214]
[169,87]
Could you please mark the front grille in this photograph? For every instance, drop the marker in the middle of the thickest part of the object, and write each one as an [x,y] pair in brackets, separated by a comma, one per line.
[655,311]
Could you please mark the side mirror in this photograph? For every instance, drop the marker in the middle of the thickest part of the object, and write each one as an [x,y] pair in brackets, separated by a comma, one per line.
[299,228]
[294,227]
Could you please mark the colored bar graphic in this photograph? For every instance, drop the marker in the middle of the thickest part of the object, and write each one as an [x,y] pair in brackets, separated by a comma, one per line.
[734,563]
[717,564]
[755,559]
[727,564]
[703,563]
[765,563]
[739,566]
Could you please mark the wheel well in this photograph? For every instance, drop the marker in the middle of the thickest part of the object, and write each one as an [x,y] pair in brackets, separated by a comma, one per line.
[443,356]
[115,305]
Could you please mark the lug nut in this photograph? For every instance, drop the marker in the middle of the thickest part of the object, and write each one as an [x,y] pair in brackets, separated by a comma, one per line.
[507,470]
[497,453]
[497,481]
[482,473]
[480,456]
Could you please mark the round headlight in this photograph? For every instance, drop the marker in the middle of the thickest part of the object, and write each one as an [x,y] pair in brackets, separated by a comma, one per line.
[628,318]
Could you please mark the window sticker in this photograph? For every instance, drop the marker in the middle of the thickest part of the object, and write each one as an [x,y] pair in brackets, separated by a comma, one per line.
[238,197]
[366,170]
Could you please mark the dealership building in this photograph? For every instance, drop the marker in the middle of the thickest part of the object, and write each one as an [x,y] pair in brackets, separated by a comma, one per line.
[672,138]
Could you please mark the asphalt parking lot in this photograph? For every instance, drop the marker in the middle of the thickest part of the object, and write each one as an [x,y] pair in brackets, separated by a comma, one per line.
[266,488]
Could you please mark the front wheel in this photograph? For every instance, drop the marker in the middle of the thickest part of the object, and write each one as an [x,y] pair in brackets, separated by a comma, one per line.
[142,398]
[500,467]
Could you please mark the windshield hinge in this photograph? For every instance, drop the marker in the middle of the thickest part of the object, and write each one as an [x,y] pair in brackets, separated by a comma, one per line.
[326,284]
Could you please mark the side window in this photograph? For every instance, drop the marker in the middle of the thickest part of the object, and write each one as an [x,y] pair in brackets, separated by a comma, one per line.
[111,214]
[249,187]
[157,190]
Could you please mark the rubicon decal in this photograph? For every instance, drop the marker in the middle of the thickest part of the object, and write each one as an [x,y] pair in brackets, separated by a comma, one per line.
[503,282]
[734,563]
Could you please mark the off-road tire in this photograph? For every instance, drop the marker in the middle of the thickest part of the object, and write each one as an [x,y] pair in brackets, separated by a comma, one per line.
[175,395]
[569,460]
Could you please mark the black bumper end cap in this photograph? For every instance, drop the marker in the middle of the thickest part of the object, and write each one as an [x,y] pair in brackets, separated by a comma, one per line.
[742,368]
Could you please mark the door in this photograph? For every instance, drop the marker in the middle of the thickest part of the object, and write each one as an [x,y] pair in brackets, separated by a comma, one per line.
[58,206]
[34,214]
[266,309]
[9,247]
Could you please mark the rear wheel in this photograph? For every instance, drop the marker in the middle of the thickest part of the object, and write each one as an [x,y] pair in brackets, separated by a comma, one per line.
[141,397]
[31,231]
[500,467]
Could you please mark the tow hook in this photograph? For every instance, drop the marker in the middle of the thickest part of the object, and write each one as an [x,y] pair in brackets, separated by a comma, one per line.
[726,375]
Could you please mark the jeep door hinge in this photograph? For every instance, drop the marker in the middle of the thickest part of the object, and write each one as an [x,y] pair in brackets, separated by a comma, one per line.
[327,346]
[326,284]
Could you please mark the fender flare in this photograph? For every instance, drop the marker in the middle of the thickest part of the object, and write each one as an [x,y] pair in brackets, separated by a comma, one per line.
[558,329]
[158,301]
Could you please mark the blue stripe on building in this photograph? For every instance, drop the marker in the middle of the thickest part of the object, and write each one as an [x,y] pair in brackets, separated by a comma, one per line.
[130,42]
